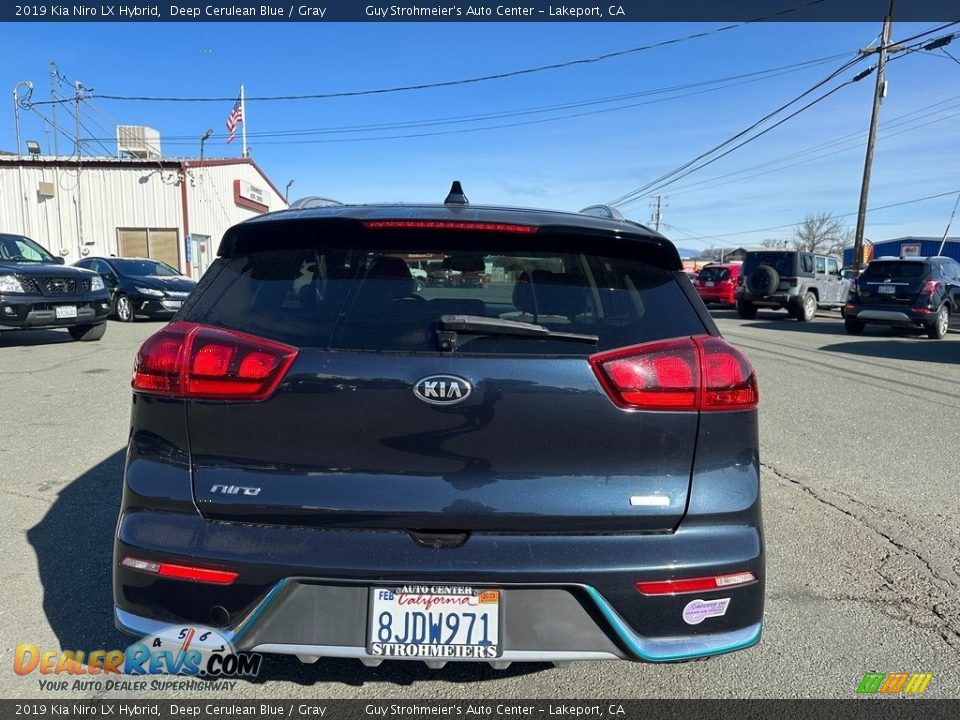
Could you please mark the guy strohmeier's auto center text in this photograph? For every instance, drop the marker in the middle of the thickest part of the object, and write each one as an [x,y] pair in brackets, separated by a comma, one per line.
[89,11]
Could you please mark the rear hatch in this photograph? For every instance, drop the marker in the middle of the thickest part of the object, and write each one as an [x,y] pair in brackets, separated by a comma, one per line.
[425,410]
[892,283]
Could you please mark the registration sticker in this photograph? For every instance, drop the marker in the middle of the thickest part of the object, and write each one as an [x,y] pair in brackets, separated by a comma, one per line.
[434,621]
[697,611]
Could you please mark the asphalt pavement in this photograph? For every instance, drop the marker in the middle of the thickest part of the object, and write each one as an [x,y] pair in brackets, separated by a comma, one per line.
[859,444]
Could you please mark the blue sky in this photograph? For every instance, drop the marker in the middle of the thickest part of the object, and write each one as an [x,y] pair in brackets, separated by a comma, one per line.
[564,163]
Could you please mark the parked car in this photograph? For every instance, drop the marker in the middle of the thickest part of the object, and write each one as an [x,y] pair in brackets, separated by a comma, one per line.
[472,279]
[440,276]
[141,287]
[38,291]
[716,283]
[799,282]
[464,508]
[908,292]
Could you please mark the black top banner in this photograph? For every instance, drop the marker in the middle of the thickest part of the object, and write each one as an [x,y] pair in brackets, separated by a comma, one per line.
[509,11]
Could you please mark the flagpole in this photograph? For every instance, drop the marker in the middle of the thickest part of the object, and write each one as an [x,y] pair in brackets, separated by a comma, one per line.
[243,121]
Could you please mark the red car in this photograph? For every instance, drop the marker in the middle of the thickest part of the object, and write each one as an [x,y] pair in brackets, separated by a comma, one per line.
[716,283]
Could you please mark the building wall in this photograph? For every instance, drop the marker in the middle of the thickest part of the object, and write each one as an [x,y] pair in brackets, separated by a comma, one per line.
[928,247]
[87,207]
[91,203]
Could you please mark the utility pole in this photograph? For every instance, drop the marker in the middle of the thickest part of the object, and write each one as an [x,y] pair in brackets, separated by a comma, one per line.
[657,212]
[54,72]
[78,86]
[878,92]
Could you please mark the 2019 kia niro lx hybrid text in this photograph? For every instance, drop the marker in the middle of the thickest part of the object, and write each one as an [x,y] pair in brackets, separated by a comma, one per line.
[560,464]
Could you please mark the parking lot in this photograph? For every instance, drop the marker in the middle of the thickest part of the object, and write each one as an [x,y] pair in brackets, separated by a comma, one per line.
[859,452]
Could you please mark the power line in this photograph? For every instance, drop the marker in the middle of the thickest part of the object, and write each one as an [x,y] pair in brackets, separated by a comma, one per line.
[567,116]
[722,83]
[679,172]
[478,79]
[763,167]
[682,171]
[790,225]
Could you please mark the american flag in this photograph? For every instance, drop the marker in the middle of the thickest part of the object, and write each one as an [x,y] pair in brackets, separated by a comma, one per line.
[233,119]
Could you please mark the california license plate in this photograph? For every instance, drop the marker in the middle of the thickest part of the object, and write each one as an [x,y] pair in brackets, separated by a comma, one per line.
[65,311]
[886,290]
[173,304]
[434,622]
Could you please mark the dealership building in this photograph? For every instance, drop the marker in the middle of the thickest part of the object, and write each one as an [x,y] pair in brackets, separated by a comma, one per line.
[174,210]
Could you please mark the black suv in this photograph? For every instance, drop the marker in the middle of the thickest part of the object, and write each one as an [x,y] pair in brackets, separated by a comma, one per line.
[799,282]
[562,465]
[37,291]
[908,292]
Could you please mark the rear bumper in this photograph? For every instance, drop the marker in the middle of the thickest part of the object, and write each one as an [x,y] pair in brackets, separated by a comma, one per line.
[890,316]
[305,591]
[777,300]
[33,312]
[155,307]
[716,295]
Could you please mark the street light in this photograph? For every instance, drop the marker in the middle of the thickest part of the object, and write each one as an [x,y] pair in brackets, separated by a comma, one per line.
[33,147]
[16,106]
[203,138]
[286,193]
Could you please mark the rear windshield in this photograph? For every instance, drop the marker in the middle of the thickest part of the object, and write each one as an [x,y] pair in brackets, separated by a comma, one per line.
[894,270]
[782,262]
[378,299]
[714,274]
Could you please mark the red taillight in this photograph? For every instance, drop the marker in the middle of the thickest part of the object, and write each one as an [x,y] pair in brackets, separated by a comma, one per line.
[701,373]
[930,287]
[700,584]
[197,361]
[180,572]
[449,225]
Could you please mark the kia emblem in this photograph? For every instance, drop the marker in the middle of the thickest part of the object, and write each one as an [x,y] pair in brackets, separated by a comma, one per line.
[442,389]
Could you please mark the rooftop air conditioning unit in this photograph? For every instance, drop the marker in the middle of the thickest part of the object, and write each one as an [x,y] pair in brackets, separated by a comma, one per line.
[138,141]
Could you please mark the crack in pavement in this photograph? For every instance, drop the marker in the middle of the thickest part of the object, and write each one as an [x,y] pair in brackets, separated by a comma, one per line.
[945,628]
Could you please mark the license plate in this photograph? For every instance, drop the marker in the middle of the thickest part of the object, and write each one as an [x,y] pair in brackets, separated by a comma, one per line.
[173,304]
[434,622]
[709,283]
[66,311]
[886,290]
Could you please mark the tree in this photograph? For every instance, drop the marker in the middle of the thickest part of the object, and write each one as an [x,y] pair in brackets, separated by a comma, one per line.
[821,233]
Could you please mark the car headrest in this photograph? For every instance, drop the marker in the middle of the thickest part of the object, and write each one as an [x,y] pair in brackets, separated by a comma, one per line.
[542,292]
[389,268]
[392,279]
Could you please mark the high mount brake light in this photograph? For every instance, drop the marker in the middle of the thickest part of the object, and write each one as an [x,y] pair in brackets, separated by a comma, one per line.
[700,584]
[188,360]
[701,373]
[449,225]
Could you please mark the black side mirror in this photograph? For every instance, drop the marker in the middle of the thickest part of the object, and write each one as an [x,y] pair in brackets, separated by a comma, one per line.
[110,278]
[58,260]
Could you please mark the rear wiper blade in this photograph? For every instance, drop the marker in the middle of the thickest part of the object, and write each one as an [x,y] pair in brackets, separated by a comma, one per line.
[480,325]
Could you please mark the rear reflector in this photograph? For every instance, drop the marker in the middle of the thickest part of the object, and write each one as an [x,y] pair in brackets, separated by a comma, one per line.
[449,225]
[198,361]
[700,584]
[180,572]
[702,373]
